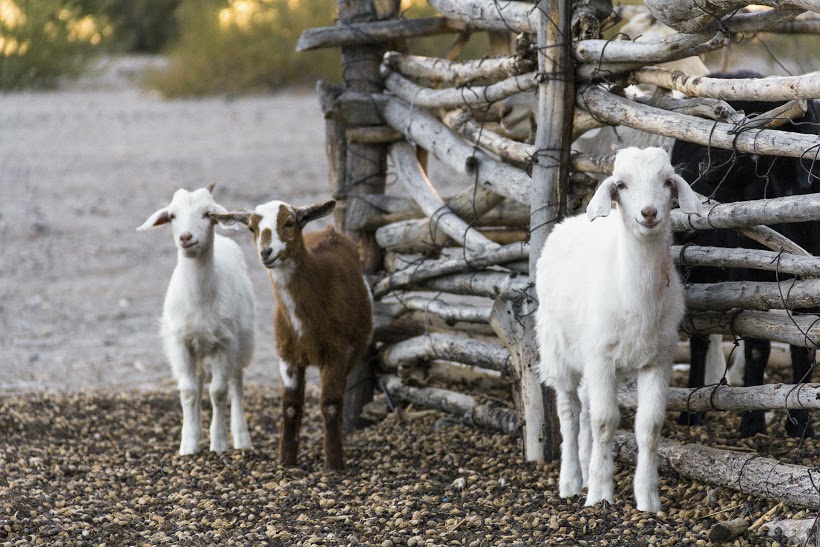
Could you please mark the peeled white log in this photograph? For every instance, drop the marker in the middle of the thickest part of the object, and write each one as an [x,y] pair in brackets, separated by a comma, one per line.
[425,130]
[454,74]
[773,88]
[454,97]
[718,257]
[797,330]
[449,312]
[482,283]
[375,32]
[644,53]
[446,347]
[730,398]
[619,111]
[739,214]
[462,405]
[428,199]
[788,294]
[513,15]
[747,472]
[422,235]
[455,376]
[797,531]
[467,261]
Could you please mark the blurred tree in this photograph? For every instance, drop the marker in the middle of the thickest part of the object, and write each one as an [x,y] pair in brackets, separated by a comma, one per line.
[144,26]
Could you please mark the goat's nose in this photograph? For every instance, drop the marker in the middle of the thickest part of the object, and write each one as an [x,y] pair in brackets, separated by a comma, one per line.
[185,237]
[649,213]
[266,252]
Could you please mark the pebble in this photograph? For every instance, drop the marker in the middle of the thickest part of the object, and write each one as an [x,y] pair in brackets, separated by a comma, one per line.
[103,468]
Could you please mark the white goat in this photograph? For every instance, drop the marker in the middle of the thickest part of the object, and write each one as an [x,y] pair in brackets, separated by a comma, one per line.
[207,318]
[610,306]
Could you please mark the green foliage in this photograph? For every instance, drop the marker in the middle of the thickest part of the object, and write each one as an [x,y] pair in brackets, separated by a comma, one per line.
[43,40]
[245,45]
[139,25]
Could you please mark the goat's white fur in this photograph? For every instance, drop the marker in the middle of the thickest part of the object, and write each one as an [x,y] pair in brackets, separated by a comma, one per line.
[610,306]
[207,319]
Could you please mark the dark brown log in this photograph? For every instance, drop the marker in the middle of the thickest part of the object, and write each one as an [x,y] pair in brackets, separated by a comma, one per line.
[728,530]
[364,173]
[375,134]
[375,32]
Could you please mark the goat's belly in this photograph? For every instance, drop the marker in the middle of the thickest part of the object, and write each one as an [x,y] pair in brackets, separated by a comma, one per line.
[204,338]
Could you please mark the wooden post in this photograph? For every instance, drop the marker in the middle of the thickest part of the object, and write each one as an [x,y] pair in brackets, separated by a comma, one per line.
[550,173]
[364,173]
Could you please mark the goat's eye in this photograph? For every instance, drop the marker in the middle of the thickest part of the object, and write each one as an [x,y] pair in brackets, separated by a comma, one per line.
[668,183]
[171,216]
[288,224]
[620,185]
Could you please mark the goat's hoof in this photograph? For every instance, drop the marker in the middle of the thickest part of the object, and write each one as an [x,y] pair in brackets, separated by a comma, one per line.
[652,504]
[593,500]
[569,489]
[219,447]
[752,423]
[242,442]
[187,451]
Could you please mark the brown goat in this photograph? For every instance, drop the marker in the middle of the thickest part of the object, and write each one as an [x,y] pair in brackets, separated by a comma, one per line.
[323,313]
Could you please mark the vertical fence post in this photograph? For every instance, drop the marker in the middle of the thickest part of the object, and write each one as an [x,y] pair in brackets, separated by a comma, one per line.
[550,173]
[365,166]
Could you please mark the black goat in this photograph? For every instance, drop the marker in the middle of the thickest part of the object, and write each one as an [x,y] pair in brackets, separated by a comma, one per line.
[727,176]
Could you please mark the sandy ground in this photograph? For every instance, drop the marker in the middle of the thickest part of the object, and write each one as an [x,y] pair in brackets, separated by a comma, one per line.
[80,168]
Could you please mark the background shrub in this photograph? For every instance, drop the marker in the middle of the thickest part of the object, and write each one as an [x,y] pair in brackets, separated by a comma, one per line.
[42,40]
[144,26]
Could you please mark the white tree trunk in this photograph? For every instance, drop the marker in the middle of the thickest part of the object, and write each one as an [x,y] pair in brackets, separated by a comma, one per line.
[731,398]
[452,73]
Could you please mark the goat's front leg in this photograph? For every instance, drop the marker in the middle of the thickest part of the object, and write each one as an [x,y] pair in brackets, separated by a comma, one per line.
[293,403]
[653,387]
[568,405]
[239,427]
[189,381]
[585,433]
[334,381]
[604,418]
[219,405]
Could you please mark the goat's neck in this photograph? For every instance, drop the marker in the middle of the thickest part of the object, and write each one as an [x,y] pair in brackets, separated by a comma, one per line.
[643,264]
[295,279]
[200,273]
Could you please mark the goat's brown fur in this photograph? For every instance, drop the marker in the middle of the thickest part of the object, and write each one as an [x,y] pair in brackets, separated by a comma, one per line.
[330,302]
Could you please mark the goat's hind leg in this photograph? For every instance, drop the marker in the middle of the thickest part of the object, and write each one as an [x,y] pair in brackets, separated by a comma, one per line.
[568,404]
[334,381]
[604,418]
[653,385]
[293,404]
[239,426]
[219,404]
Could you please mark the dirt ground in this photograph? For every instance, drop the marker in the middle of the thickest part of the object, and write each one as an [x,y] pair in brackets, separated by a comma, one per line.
[80,290]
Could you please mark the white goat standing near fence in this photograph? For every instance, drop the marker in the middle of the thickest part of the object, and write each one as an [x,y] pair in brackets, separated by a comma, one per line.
[207,318]
[610,306]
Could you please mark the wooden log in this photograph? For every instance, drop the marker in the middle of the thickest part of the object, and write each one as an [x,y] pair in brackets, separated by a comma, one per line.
[474,96]
[777,116]
[454,74]
[797,330]
[376,134]
[731,398]
[482,283]
[747,472]
[695,16]
[608,71]
[455,376]
[788,294]
[800,25]
[461,405]
[550,174]
[796,531]
[364,173]
[428,199]
[718,257]
[773,88]
[417,273]
[450,312]
[446,347]
[728,530]
[643,53]
[423,235]
[739,214]
[619,111]
[515,16]
[701,107]
[375,32]
[425,130]
[335,148]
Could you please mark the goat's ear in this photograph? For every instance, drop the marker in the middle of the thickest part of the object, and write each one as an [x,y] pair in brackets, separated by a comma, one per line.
[211,187]
[231,218]
[688,200]
[217,209]
[312,212]
[158,218]
[601,203]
